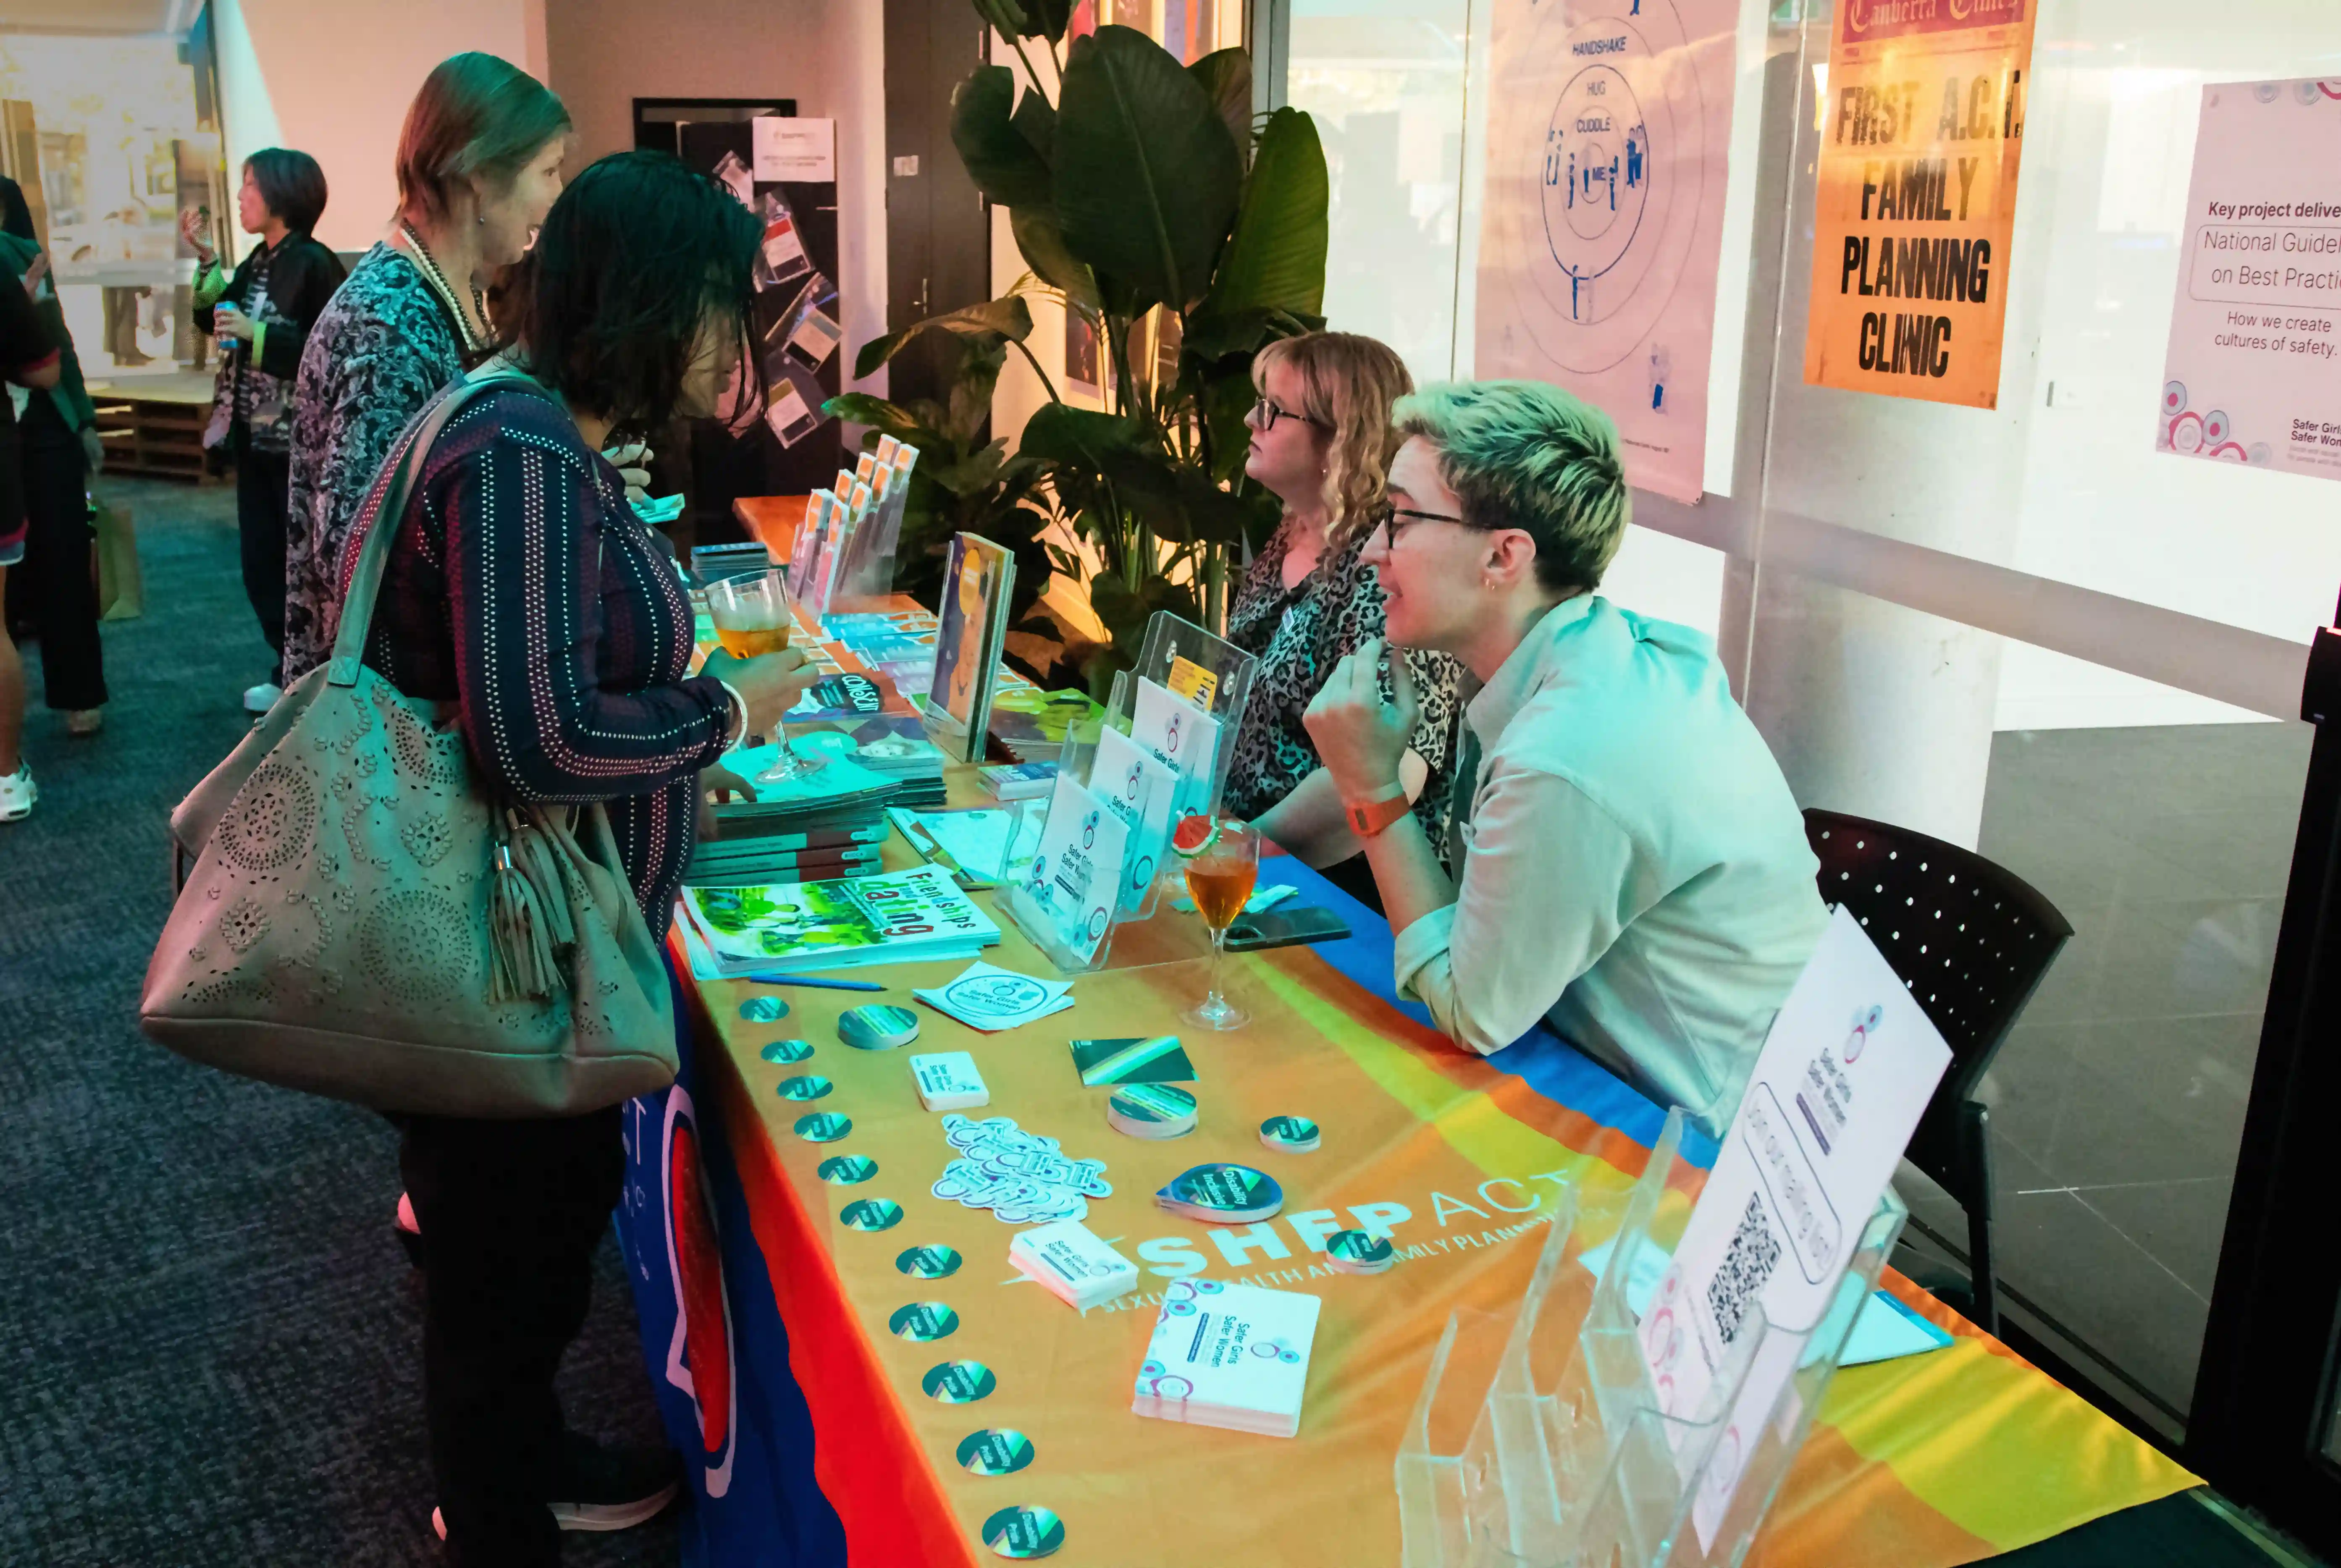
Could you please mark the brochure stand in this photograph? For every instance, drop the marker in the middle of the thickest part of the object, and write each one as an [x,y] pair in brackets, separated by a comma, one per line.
[1176,654]
[1559,1456]
[865,578]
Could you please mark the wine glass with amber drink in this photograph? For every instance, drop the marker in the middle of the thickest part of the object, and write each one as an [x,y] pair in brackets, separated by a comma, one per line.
[754,616]
[1221,860]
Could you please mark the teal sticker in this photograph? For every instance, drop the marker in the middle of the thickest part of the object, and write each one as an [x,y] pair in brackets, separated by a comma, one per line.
[959,1382]
[872,1213]
[929,1262]
[1023,1534]
[1291,1135]
[823,1127]
[1158,1059]
[763,1009]
[877,1026]
[994,1450]
[1357,1246]
[1151,1103]
[924,1320]
[803,1087]
[846,1170]
[786,1051]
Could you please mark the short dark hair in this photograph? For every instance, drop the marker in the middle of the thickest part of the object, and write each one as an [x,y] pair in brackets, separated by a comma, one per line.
[475,115]
[291,183]
[16,215]
[636,255]
[1528,455]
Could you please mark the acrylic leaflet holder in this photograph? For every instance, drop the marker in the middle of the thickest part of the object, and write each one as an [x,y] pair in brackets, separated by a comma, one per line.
[1120,790]
[1556,1453]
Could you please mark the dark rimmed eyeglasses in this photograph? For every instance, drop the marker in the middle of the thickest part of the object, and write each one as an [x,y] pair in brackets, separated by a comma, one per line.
[1265,413]
[1396,520]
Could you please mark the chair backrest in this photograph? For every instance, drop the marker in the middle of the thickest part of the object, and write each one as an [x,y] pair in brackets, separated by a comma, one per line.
[1970,938]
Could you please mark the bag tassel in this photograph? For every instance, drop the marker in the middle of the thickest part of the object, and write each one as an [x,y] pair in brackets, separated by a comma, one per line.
[544,874]
[521,966]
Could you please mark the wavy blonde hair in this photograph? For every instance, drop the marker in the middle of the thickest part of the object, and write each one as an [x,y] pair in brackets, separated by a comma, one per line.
[1348,386]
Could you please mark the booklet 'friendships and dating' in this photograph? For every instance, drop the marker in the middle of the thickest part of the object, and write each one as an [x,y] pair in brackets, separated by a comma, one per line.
[896,917]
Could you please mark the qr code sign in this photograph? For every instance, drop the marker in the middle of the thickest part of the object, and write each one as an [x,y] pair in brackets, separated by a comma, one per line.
[1748,1264]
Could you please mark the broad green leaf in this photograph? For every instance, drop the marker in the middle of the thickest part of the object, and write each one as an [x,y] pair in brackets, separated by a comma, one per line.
[1275,259]
[1226,77]
[1147,176]
[1050,19]
[1007,15]
[1058,432]
[891,419]
[1006,320]
[1035,120]
[1043,244]
[999,158]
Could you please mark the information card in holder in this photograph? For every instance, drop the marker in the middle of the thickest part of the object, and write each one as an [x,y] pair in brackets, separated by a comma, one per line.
[1185,703]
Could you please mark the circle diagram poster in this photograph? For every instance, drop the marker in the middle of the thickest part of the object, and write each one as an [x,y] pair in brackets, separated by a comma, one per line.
[1608,129]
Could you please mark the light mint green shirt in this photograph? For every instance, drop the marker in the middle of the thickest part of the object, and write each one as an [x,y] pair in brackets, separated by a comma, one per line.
[1634,869]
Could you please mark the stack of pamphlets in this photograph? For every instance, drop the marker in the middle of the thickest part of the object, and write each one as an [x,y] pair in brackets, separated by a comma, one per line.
[1031,725]
[829,822]
[893,917]
[1010,781]
[1070,1262]
[1231,1356]
[892,745]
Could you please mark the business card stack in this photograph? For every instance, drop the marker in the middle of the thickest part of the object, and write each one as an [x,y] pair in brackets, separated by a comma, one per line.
[948,1081]
[1230,1355]
[1072,1264]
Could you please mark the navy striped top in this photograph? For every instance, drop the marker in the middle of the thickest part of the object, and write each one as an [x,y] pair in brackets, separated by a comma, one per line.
[521,585]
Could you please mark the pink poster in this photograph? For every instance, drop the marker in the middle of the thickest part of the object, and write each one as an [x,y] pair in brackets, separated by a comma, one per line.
[1608,127]
[2254,370]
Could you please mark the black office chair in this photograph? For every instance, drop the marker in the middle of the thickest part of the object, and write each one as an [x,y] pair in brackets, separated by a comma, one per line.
[1971,941]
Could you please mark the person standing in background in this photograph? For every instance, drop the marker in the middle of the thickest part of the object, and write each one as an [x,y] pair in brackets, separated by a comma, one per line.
[262,317]
[479,165]
[29,359]
[57,434]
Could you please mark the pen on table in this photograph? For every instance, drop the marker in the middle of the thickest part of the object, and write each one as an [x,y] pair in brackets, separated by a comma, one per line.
[815,983]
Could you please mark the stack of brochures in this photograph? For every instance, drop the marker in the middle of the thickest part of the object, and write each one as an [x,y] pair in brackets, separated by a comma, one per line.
[893,917]
[893,746]
[829,822]
[1231,1356]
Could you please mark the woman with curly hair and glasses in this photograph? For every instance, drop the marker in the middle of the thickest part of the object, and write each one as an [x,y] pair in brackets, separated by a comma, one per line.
[524,593]
[1321,443]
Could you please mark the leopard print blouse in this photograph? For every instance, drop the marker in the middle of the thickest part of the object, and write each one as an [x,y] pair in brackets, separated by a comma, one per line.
[1298,635]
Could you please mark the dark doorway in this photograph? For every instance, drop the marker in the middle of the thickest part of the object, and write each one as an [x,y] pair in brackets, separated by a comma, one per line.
[938,225]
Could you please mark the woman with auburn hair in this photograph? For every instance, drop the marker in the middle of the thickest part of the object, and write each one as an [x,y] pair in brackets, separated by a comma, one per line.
[479,165]
[262,316]
[1321,443]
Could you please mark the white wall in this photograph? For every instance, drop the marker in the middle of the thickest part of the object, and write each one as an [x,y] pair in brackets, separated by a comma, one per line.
[335,80]
[827,54]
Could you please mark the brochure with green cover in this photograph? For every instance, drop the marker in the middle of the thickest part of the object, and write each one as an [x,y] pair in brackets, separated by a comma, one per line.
[894,917]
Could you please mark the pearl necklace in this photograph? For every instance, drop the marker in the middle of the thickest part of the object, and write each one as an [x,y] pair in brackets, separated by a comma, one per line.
[428,265]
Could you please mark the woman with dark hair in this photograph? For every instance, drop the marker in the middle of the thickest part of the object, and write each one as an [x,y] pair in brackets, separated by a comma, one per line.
[523,592]
[479,163]
[262,317]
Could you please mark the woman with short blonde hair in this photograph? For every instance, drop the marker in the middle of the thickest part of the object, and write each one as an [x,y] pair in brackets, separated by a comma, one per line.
[1321,443]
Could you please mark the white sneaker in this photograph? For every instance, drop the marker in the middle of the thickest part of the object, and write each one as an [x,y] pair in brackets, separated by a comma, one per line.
[17,793]
[260,698]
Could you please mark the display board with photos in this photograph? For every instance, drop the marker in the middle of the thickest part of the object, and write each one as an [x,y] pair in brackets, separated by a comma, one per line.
[972,629]
[1092,854]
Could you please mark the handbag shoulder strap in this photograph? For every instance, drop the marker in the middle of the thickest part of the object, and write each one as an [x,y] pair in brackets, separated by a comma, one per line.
[398,488]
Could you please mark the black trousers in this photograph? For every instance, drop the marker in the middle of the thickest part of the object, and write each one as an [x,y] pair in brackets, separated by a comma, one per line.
[59,592]
[264,484]
[510,1211]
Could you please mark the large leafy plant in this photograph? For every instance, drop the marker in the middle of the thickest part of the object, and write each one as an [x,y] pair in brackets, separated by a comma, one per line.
[1185,234]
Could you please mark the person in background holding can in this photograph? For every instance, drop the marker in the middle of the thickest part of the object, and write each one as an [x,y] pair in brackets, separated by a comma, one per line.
[262,317]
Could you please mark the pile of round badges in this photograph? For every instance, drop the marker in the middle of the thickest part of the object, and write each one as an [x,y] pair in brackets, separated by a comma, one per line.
[1359,1252]
[877,1027]
[1291,1135]
[1151,1111]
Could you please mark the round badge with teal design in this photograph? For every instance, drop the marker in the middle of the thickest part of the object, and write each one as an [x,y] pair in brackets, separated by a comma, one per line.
[1223,1191]
[872,1213]
[763,1009]
[1151,1103]
[924,1320]
[877,1026]
[1024,1533]
[959,1382]
[846,1170]
[1291,1135]
[928,1262]
[786,1051]
[994,1450]
[1359,1252]
[805,1086]
[823,1126]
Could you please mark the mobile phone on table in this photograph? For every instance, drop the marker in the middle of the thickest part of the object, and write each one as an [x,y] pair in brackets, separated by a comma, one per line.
[1285,928]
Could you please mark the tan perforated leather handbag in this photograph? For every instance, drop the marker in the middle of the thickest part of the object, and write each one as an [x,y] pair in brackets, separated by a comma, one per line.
[365,920]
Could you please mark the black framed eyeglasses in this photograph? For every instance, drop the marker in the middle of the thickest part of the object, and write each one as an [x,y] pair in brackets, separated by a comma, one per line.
[1266,413]
[1396,520]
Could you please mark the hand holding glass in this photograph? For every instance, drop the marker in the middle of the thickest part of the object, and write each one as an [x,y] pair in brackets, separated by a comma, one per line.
[1220,878]
[752,618]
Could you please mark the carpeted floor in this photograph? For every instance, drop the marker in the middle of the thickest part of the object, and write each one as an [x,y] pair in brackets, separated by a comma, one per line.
[210,1343]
